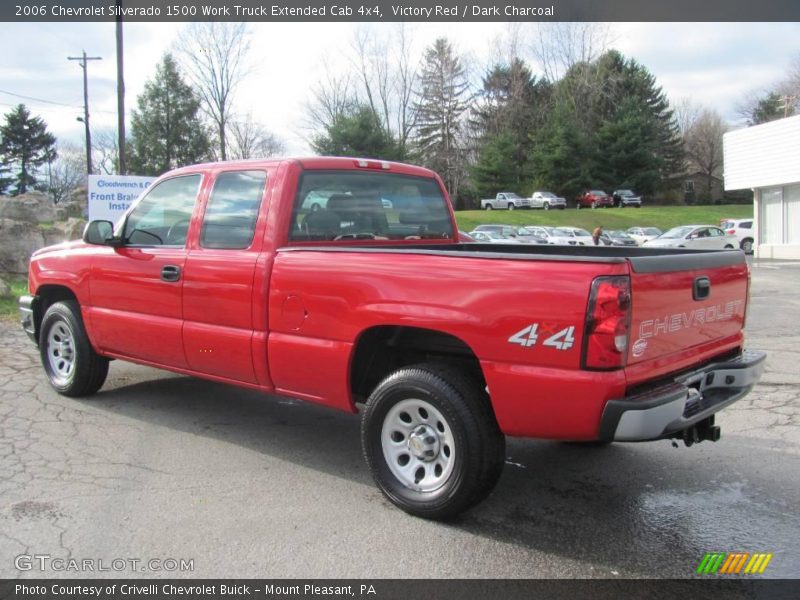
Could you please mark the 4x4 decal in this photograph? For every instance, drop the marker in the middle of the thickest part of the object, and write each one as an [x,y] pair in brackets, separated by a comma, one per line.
[529,336]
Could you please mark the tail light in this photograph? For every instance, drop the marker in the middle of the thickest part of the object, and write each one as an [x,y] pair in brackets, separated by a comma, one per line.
[747,298]
[608,320]
[731,231]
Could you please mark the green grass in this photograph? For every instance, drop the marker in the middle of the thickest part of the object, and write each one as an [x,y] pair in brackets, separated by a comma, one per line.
[663,217]
[8,304]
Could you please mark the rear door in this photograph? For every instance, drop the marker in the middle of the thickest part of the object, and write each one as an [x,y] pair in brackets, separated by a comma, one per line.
[221,324]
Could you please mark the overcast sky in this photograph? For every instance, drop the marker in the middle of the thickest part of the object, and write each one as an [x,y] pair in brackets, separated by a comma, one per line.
[715,64]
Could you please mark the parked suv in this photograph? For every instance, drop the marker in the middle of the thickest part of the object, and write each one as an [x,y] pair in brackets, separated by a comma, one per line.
[594,199]
[623,198]
[743,230]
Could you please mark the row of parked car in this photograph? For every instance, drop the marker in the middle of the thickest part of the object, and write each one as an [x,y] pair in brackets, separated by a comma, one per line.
[706,237]
[548,200]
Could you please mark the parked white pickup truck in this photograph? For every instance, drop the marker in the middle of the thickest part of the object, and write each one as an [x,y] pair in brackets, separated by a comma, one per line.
[506,200]
[547,200]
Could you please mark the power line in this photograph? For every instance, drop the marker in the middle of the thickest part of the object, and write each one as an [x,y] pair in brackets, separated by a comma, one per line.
[75,106]
[39,99]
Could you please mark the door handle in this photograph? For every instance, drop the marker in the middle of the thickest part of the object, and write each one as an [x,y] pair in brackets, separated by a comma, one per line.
[171,273]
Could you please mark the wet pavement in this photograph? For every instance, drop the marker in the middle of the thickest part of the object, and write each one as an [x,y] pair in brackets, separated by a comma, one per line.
[159,466]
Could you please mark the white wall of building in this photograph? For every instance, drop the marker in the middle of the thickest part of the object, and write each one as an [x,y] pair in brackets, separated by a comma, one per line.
[766,159]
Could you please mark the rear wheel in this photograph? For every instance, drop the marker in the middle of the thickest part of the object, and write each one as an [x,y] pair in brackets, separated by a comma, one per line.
[747,246]
[431,441]
[70,362]
[578,206]
[488,207]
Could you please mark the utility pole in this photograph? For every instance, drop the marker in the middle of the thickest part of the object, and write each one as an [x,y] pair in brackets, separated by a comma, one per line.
[787,104]
[122,167]
[84,64]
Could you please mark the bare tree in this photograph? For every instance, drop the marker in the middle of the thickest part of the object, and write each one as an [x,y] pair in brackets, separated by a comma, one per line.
[557,47]
[387,71]
[253,140]
[66,172]
[333,98]
[213,54]
[702,143]
[105,151]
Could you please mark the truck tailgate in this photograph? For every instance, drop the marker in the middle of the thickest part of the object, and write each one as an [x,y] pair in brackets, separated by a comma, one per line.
[687,307]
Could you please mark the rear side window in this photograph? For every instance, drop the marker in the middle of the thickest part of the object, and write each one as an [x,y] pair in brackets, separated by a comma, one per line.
[230,218]
[746,225]
[356,205]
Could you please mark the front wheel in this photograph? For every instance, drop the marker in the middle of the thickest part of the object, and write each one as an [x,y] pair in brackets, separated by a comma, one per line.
[70,362]
[578,206]
[546,206]
[431,441]
[511,206]
[594,204]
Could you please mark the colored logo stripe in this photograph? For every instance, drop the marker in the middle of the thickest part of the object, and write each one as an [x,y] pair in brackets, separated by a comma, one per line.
[732,563]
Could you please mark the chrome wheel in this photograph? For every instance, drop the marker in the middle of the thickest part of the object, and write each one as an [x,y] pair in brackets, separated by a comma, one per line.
[61,352]
[418,445]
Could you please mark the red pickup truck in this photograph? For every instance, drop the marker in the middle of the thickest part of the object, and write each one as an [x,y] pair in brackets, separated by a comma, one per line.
[342,282]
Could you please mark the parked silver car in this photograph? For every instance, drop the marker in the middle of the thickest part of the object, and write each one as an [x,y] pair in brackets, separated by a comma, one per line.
[705,237]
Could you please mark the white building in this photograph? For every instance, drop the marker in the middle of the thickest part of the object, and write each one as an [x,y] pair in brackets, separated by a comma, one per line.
[766,159]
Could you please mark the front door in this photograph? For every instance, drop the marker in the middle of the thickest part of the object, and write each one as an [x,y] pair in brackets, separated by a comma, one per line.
[136,289]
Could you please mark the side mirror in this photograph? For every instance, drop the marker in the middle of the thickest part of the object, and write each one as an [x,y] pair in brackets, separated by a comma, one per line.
[99,233]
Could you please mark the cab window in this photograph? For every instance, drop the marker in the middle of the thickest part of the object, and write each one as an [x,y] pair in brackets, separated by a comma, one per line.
[230,217]
[162,217]
[356,205]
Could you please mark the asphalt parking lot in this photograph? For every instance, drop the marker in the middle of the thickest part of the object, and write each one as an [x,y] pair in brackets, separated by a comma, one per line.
[160,466]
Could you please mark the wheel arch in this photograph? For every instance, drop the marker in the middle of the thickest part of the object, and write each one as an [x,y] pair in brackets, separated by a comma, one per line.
[46,295]
[381,350]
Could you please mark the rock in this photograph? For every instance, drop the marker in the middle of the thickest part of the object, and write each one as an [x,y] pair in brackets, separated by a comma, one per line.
[34,207]
[73,228]
[18,240]
[5,289]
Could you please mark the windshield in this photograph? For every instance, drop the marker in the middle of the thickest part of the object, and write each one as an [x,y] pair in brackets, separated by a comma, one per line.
[581,233]
[597,193]
[561,232]
[677,232]
[652,231]
[523,231]
[625,193]
[547,195]
[511,195]
[348,205]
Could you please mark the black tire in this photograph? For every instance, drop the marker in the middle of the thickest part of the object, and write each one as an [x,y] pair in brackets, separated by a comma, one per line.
[478,446]
[488,207]
[747,246]
[578,206]
[511,206]
[546,206]
[594,204]
[69,361]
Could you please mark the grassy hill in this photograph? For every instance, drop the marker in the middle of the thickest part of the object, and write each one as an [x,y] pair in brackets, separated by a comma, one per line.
[663,217]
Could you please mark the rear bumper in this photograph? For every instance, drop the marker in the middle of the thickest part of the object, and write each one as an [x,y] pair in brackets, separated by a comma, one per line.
[662,411]
[27,305]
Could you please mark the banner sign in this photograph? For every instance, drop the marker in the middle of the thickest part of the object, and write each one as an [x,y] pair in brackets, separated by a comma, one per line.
[111,195]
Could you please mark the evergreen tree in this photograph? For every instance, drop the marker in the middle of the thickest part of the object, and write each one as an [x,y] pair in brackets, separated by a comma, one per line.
[628,150]
[769,108]
[357,133]
[562,158]
[25,145]
[166,131]
[513,108]
[442,100]
[495,171]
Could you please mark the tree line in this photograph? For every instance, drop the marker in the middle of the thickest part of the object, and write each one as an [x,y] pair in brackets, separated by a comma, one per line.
[571,114]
